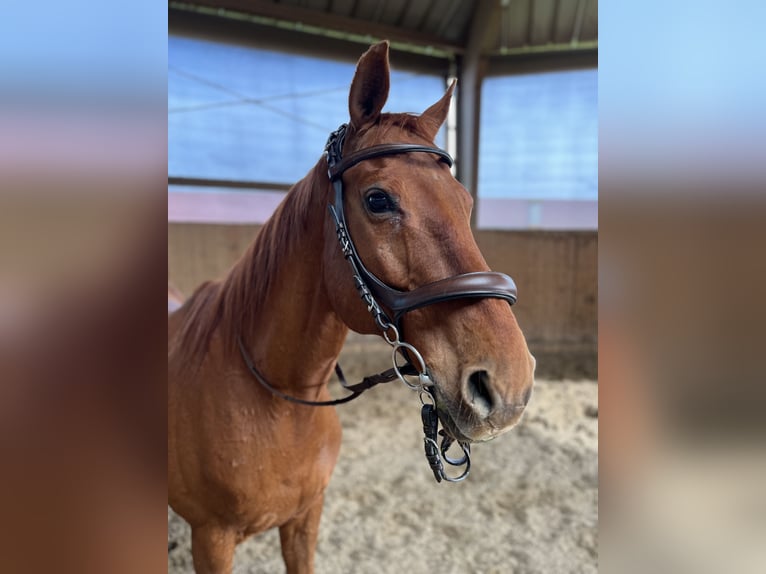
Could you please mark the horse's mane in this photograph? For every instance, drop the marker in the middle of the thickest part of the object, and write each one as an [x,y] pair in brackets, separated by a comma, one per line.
[229,304]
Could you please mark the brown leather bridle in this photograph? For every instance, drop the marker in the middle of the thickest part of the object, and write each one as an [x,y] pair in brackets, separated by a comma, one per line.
[388,305]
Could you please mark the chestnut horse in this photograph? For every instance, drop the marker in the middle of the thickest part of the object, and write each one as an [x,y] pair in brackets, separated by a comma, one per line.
[241,458]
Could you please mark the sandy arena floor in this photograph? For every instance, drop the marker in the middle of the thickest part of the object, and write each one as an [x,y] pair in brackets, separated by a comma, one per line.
[530,505]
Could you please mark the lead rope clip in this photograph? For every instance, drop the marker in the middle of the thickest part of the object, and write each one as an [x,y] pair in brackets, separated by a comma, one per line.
[437,455]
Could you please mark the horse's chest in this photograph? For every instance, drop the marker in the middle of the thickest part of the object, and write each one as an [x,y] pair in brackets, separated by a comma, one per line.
[281,470]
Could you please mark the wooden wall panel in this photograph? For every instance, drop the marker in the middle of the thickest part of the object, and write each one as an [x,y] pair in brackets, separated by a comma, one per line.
[556,274]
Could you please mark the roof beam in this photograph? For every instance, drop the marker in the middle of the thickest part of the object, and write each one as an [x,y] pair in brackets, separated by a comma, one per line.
[331,22]
[577,26]
[447,16]
[554,22]
[543,60]
[207,23]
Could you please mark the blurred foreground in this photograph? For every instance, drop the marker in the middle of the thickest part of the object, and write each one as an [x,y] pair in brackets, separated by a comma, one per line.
[682,373]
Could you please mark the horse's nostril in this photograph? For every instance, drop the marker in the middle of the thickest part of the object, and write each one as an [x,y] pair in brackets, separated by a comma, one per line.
[478,392]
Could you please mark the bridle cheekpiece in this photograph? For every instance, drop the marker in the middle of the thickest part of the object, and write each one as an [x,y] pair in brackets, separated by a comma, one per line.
[387,305]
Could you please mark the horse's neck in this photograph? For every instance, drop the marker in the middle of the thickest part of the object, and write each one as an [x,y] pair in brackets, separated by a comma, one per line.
[293,334]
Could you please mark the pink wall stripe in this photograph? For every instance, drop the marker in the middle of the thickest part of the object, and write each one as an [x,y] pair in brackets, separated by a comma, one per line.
[222,206]
[243,207]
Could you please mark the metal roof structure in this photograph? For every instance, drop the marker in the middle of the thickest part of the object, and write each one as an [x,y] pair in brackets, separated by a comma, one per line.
[469,39]
[445,27]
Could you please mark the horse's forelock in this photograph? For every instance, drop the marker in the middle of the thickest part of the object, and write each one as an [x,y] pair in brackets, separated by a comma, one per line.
[384,130]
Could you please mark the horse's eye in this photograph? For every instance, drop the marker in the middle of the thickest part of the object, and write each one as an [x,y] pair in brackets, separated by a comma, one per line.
[379,202]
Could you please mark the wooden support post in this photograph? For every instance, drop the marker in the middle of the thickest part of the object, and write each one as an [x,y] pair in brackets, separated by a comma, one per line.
[470,75]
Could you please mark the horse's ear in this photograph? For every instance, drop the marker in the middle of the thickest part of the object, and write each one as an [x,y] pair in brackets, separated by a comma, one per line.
[433,118]
[369,89]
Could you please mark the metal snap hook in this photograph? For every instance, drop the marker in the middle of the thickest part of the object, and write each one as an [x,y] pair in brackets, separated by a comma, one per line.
[430,401]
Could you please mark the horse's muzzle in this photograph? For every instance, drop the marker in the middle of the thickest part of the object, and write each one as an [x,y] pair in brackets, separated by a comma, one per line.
[479,412]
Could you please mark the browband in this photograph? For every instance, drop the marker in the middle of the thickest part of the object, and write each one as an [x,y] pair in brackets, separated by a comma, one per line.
[337,170]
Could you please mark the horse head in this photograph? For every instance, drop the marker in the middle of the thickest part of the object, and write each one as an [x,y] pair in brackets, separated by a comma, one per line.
[410,222]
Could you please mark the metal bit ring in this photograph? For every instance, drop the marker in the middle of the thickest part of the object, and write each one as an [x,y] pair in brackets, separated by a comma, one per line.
[424,380]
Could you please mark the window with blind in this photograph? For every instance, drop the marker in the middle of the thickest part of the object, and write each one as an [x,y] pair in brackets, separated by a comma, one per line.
[538,151]
[245,114]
